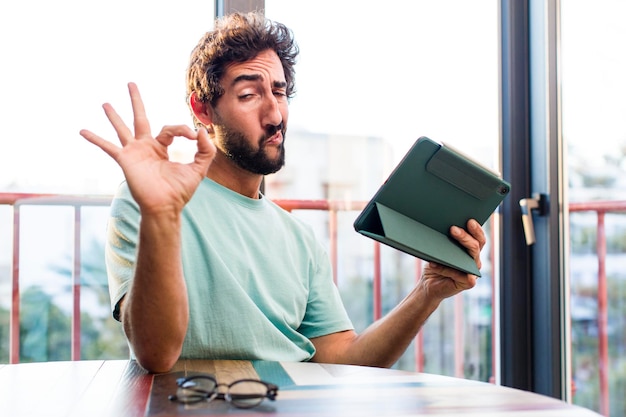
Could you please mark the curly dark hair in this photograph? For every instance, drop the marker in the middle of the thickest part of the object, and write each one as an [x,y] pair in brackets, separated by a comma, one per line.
[238,37]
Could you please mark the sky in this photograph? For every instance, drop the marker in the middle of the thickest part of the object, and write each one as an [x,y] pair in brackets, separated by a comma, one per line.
[62,60]
[399,72]
[70,56]
[592,77]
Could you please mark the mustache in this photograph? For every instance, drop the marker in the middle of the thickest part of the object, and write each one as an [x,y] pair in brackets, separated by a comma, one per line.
[272,130]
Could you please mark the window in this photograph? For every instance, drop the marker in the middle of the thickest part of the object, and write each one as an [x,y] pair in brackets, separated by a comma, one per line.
[372,77]
[594,128]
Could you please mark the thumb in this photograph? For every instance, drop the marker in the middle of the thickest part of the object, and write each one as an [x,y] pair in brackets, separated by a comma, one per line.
[206,150]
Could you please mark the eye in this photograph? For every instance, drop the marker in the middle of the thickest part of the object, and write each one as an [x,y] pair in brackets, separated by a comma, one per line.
[280,93]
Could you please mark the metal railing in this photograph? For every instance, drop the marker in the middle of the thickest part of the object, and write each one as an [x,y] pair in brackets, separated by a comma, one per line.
[601,208]
[17,200]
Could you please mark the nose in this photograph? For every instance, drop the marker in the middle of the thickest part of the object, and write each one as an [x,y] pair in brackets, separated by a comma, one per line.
[272,112]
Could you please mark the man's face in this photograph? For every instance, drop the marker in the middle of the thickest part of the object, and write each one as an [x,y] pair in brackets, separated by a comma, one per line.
[250,118]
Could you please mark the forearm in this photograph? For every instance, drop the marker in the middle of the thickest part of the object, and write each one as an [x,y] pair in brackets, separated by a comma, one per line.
[384,341]
[155,310]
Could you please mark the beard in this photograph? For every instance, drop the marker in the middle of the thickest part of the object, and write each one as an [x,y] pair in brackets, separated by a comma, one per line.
[256,160]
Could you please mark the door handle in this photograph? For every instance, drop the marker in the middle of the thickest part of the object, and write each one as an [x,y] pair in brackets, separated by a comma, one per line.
[537,202]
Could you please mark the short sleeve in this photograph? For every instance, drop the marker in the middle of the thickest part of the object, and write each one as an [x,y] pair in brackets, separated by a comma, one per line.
[325,312]
[121,246]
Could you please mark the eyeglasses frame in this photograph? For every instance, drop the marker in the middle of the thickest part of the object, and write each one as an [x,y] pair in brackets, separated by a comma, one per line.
[216,394]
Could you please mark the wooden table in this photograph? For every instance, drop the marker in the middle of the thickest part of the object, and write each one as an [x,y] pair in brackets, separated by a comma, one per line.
[122,389]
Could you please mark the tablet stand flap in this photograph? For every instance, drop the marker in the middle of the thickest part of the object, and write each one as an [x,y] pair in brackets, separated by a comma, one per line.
[423,242]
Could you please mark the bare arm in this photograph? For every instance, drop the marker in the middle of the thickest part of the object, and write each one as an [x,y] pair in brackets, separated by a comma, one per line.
[155,310]
[383,342]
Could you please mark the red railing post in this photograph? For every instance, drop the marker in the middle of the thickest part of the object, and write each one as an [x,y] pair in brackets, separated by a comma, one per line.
[459,337]
[14,324]
[601,208]
[76,288]
[332,230]
[495,269]
[376,283]
[603,338]
[419,340]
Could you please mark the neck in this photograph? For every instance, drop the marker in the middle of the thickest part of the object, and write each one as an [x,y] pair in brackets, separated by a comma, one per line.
[226,173]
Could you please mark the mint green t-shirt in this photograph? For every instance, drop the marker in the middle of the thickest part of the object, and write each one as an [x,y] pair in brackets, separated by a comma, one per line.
[259,282]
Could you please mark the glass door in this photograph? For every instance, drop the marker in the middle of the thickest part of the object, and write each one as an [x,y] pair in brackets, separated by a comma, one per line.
[532,302]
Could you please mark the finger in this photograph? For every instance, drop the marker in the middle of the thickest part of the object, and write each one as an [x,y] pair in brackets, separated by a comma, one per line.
[461,280]
[103,144]
[477,232]
[140,120]
[471,244]
[206,150]
[168,133]
[123,132]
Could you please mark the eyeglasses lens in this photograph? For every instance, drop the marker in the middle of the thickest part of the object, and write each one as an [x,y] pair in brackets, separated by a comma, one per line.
[246,394]
[196,389]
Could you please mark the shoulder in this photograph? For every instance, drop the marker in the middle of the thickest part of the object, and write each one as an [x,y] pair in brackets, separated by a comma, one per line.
[123,204]
[288,216]
[298,229]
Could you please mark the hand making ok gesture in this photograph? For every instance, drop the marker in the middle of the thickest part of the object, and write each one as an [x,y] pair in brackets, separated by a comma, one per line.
[156,183]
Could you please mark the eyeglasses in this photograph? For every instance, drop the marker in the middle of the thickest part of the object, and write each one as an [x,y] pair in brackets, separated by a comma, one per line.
[243,393]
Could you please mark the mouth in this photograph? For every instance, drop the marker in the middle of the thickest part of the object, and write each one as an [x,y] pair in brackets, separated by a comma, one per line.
[274,136]
[275,139]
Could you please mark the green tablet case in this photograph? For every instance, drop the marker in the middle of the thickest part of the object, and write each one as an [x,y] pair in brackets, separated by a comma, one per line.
[431,189]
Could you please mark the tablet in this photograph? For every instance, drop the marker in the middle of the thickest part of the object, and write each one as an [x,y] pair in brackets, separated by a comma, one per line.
[432,188]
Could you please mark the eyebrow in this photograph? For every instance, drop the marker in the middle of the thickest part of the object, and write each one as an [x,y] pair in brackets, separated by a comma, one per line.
[256,77]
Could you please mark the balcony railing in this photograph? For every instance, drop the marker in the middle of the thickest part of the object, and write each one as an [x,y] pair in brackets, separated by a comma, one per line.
[77,203]
[601,208]
[18,200]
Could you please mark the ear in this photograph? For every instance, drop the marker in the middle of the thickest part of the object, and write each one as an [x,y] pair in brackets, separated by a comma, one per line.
[202,111]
